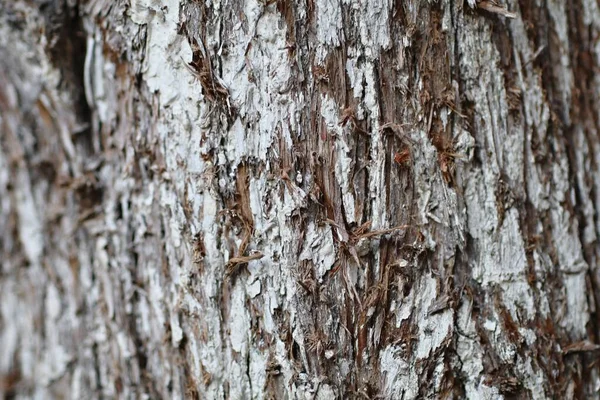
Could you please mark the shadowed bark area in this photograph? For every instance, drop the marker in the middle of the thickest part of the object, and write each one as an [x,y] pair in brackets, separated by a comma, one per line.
[321,199]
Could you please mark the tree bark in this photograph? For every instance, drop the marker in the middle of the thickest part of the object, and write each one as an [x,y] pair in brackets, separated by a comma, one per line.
[320,199]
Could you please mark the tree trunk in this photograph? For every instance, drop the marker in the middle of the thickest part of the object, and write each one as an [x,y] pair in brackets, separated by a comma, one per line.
[328,199]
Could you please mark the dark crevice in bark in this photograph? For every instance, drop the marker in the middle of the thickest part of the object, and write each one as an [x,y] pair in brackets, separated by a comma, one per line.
[97,373]
[67,50]
[11,382]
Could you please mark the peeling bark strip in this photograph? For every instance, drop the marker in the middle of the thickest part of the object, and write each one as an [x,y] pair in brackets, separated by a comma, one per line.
[277,199]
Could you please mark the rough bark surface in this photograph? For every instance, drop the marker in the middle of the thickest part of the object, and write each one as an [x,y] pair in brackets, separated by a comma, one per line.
[315,199]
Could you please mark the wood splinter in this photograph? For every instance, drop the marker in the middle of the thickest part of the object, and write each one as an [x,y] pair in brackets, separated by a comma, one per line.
[493,7]
[235,262]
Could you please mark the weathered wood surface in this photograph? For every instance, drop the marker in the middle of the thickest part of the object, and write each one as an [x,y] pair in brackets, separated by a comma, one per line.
[320,199]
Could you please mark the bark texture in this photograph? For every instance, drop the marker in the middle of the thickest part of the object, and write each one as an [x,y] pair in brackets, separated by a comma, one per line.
[316,199]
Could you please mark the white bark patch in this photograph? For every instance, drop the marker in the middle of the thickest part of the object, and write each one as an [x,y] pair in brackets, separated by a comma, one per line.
[400,376]
[237,144]
[96,71]
[239,321]
[9,338]
[330,31]
[30,227]
[253,289]
[481,204]
[470,354]
[356,77]
[591,13]
[54,363]
[176,331]
[406,308]
[257,73]
[319,248]
[514,159]
[400,380]
[271,305]
[583,160]
[53,304]
[344,164]
[325,392]
[574,267]
[143,11]
[126,347]
[377,192]
[213,257]
[258,374]
[258,189]
[433,329]
[374,25]
[164,69]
